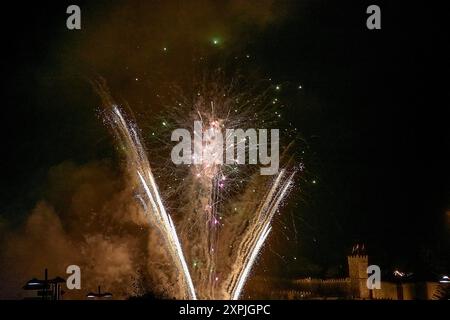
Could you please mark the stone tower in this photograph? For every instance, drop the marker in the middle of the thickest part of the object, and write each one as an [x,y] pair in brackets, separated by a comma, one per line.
[357,269]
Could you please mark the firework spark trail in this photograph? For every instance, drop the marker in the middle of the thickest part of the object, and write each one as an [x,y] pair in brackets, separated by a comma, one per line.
[213,234]
[257,234]
[210,182]
[239,270]
[205,193]
[199,217]
[254,237]
[212,191]
[246,270]
[138,161]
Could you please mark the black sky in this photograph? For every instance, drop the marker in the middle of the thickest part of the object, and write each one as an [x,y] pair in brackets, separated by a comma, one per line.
[373,108]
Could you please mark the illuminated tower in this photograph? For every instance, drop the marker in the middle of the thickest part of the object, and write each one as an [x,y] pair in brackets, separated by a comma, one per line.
[357,269]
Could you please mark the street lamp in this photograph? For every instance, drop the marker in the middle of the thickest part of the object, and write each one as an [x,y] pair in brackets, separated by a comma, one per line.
[34,284]
[444,279]
[46,288]
[99,294]
[56,283]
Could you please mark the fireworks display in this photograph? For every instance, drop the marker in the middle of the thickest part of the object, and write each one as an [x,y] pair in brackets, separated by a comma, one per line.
[158,216]
[224,211]
[223,150]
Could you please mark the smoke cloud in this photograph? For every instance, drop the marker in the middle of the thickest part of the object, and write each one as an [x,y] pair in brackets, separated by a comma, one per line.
[89,217]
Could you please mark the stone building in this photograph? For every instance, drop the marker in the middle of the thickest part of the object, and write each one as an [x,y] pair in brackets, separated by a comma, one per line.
[352,287]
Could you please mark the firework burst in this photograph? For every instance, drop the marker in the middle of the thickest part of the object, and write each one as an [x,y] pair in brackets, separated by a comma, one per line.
[223,211]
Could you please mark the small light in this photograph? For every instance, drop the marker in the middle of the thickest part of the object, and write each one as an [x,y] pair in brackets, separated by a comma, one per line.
[399,274]
[278,88]
[314,181]
[164,49]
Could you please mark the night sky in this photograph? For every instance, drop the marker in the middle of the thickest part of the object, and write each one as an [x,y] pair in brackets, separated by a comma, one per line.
[372,108]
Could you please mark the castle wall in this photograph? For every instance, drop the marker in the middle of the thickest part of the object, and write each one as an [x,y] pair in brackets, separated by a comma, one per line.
[357,269]
[310,288]
[324,288]
[388,291]
[353,287]
[408,291]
